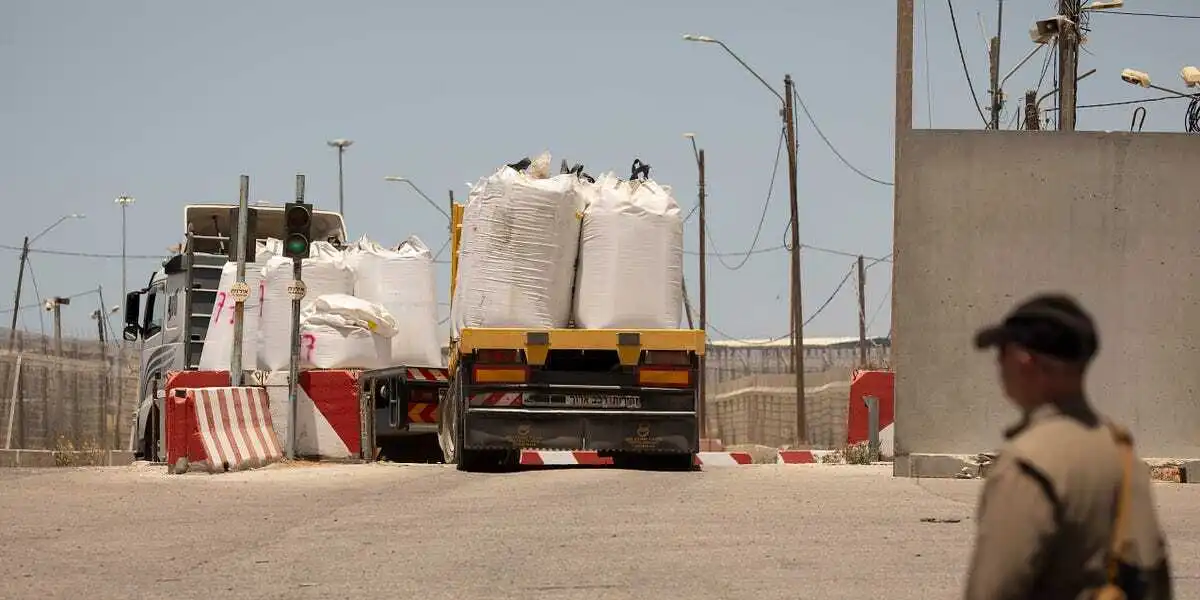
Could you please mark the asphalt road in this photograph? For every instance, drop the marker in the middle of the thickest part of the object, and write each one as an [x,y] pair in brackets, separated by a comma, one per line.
[394,531]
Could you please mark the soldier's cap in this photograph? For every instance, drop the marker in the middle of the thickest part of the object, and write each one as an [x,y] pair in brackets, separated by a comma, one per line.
[1053,325]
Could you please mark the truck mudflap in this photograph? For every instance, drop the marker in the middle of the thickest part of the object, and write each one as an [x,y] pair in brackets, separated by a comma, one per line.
[626,421]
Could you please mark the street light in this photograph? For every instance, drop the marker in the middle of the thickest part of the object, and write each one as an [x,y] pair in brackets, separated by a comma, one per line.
[1142,79]
[1190,76]
[341,145]
[416,189]
[797,301]
[12,333]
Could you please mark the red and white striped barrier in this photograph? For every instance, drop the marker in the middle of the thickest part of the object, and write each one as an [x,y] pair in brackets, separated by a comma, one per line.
[723,459]
[540,458]
[220,429]
[803,457]
[328,420]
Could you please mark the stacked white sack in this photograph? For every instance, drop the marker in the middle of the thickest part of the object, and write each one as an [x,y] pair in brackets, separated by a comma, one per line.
[520,238]
[217,353]
[324,272]
[631,258]
[340,331]
[403,282]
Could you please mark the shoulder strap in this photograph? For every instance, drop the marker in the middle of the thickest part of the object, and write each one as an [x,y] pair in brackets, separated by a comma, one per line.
[1125,447]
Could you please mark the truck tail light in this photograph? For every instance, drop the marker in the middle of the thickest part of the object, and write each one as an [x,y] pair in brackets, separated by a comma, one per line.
[665,377]
[501,374]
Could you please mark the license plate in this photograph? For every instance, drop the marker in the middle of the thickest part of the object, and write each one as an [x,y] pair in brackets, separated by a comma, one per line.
[601,401]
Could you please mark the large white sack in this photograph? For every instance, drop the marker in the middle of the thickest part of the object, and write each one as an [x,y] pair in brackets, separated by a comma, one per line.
[403,282]
[520,238]
[339,331]
[217,352]
[324,272]
[631,257]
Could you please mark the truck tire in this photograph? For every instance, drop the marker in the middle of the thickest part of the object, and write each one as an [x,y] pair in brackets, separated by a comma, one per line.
[656,462]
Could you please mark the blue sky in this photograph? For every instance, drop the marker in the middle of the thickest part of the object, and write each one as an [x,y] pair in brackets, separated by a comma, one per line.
[170,102]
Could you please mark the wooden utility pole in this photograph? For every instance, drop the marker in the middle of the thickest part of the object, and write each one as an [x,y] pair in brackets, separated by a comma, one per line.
[862,313]
[701,411]
[904,120]
[994,65]
[789,118]
[1068,58]
[12,331]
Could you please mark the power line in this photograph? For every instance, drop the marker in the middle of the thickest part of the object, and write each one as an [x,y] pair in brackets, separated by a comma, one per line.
[1123,103]
[82,254]
[928,73]
[761,220]
[39,304]
[825,139]
[836,290]
[879,308]
[1146,14]
[963,57]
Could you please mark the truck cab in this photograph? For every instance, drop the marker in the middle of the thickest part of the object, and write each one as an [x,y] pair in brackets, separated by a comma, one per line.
[169,317]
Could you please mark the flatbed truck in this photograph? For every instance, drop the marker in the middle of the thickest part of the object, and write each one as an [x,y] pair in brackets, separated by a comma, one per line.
[631,395]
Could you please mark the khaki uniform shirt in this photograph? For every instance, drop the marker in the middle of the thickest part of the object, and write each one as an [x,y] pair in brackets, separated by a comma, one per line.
[1045,518]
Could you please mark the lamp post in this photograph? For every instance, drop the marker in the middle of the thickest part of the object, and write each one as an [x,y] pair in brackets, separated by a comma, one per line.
[124,202]
[797,313]
[341,145]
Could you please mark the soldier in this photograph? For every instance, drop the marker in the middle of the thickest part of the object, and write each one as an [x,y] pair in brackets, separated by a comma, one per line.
[1064,511]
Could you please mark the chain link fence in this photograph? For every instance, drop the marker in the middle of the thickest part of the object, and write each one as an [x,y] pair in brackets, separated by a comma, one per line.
[53,401]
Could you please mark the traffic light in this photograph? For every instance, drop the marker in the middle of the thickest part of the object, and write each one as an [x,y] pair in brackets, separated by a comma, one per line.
[297,218]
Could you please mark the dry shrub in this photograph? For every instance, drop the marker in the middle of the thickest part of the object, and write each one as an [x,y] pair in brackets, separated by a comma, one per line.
[853,454]
[86,454]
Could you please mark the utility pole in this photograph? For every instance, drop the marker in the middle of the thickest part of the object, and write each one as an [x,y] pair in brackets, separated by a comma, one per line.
[12,332]
[862,313]
[239,291]
[994,65]
[789,118]
[102,428]
[124,202]
[1068,57]
[54,305]
[702,411]
[1032,118]
[904,120]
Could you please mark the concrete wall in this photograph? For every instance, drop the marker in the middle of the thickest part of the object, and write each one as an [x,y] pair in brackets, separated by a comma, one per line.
[984,219]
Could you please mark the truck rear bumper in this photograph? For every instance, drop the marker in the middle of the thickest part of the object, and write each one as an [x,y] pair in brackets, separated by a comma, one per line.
[611,431]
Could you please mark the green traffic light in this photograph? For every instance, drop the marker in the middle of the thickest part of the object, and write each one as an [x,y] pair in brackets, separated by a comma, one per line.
[297,245]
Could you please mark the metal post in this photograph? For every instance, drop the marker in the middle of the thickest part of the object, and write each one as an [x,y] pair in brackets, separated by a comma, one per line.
[59,384]
[102,396]
[341,189]
[12,332]
[239,290]
[872,426]
[789,117]
[862,313]
[125,201]
[294,361]
[702,413]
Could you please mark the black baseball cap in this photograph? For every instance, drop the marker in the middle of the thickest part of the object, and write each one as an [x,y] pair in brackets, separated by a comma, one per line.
[1050,324]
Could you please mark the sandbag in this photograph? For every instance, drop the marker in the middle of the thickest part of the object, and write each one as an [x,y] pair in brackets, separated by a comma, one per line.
[217,352]
[339,331]
[324,272]
[403,282]
[631,257]
[520,238]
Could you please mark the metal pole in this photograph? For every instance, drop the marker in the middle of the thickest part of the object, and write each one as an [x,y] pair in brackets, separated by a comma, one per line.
[702,413]
[872,426]
[13,409]
[59,385]
[121,345]
[341,189]
[789,117]
[294,361]
[1068,54]
[12,332]
[102,396]
[236,370]
[862,314]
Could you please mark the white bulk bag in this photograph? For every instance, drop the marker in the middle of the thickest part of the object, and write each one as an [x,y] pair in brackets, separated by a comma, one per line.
[403,282]
[631,258]
[217,352]
[324,272]
[339,331]
[520,238]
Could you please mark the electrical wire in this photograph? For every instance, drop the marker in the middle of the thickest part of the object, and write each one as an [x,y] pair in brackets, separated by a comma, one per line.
[879,308]
[37,294]
[39,303]
[1121,103]
[836,291]
[83,254]
[1191,119]
[761,220]
[824,138]
[1146,14]
[963,57]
